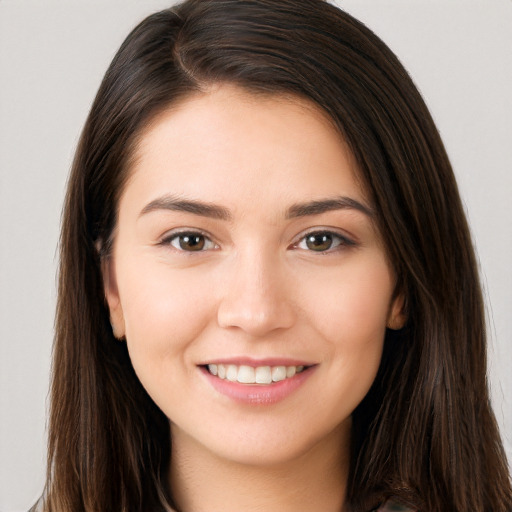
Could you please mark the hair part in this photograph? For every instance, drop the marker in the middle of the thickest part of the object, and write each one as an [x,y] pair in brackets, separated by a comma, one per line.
[425,433]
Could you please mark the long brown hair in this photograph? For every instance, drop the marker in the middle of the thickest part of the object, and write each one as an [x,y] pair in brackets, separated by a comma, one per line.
[425,433]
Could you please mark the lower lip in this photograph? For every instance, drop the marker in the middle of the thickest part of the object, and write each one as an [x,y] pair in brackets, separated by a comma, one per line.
[262,394]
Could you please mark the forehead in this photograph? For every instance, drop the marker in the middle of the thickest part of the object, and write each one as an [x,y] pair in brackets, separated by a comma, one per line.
[228,141]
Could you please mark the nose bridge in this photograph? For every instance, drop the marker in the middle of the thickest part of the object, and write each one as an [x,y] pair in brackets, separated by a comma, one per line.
[255,297]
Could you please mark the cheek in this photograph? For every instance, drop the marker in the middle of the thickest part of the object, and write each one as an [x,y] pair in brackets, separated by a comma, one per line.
[164,312]
[352,307]
[358,310]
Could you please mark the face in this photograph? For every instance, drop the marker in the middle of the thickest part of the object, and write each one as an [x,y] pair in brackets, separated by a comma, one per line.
[248,276]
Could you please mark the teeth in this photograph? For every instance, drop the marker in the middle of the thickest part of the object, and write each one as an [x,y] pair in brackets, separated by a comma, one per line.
[279,373]
[263,375]
[246,374]
[250,375]
[232,373]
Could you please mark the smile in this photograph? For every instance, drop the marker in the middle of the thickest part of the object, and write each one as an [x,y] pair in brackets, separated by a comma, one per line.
[257,382]
[244,374]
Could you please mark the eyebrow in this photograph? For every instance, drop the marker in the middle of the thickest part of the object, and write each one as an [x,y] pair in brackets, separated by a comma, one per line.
[326,205]
[187,205]
[214,211]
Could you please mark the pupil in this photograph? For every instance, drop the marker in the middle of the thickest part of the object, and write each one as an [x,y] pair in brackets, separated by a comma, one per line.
[320,242]
[192,242]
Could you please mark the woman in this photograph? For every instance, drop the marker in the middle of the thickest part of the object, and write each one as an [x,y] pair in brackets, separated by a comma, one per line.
[262,213]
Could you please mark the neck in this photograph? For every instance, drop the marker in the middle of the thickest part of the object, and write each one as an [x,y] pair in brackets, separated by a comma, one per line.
[315,480]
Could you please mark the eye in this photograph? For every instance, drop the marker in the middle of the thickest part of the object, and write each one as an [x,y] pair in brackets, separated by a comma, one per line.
[189,241]
[323,241]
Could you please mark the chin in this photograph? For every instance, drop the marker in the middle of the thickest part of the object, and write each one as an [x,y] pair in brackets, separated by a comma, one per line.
[264,449]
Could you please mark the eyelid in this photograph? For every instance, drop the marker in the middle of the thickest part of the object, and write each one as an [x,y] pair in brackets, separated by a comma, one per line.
[346,241]
[167,238]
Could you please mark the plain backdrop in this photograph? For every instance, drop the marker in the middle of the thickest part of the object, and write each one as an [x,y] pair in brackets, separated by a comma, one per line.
[52,57]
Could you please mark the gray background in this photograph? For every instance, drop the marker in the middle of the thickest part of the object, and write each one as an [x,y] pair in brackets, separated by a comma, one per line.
[52,57]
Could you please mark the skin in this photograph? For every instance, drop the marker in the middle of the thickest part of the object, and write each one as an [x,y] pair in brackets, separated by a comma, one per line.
[257,290]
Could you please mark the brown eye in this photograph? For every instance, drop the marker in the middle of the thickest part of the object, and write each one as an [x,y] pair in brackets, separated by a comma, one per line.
[190,242]
[319,241]
[323,241]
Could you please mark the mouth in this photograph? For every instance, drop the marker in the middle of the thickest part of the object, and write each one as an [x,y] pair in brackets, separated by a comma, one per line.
[254,375]
[258,383]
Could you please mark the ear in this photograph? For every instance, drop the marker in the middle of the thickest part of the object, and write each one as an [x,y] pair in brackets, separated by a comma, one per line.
[397,315]
[112,296]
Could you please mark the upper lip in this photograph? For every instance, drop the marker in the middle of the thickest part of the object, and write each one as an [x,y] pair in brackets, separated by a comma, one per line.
[250,361]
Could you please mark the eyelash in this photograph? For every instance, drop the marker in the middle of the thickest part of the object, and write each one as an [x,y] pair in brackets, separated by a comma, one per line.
[339,240]
[176,236]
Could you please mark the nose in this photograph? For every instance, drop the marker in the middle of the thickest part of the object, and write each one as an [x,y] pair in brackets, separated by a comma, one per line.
[256,298]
